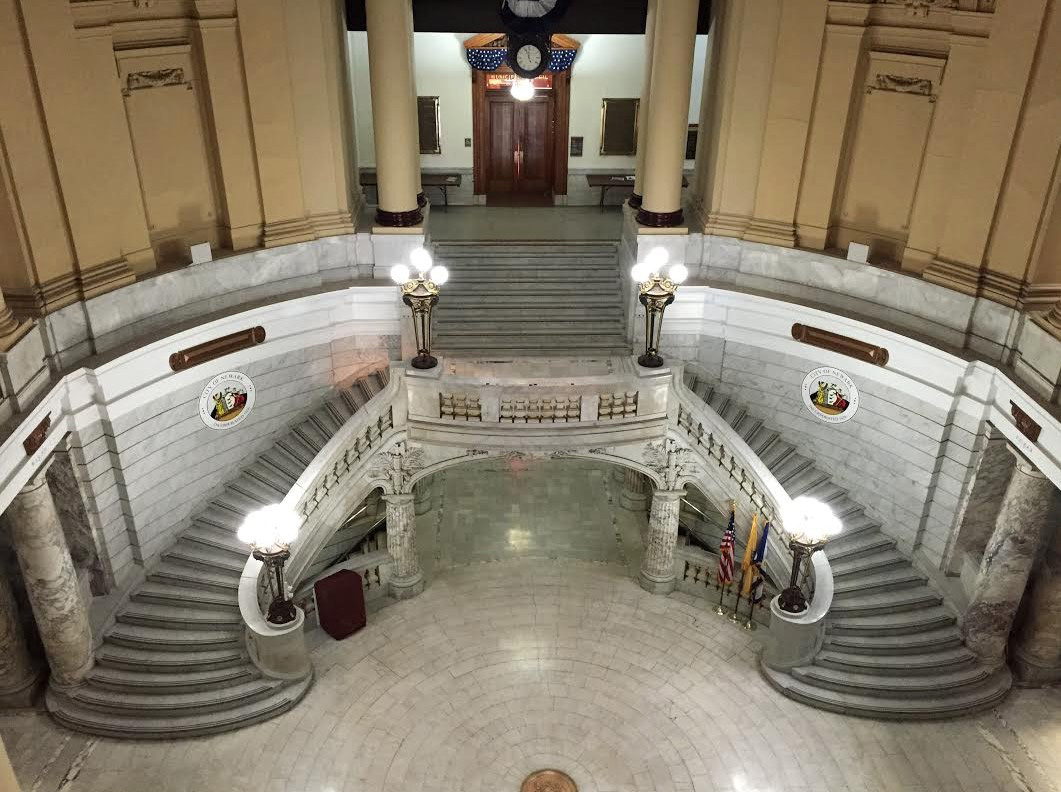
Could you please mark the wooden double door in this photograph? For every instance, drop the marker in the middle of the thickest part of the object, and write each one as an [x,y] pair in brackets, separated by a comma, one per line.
[520,145]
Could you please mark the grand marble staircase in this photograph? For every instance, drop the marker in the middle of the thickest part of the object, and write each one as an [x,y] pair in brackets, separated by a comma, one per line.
[892,647]
[174,663]
[530,298]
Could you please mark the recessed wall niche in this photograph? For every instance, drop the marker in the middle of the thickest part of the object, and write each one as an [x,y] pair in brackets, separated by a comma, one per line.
[168,126]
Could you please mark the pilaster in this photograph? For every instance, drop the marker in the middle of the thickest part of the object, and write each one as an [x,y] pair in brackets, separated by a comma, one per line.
[657,564]
[408,578]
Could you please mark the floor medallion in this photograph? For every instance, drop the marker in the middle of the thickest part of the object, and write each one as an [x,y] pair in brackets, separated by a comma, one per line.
[548,781]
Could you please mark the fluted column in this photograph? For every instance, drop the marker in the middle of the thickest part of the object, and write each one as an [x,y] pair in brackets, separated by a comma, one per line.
[19,674]
[408,578]
[657,564]
[1037,650]
[51,582]
[389,25]
[632,495]
[668,121]
[1008,562]
[642,109]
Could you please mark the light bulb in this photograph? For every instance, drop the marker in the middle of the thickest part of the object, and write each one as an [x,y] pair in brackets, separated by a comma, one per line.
[523,90]
[678,273]
[641,271]
[810,520]
[657,258]
[420,259]
[438,275]
[399,273]
[269,526]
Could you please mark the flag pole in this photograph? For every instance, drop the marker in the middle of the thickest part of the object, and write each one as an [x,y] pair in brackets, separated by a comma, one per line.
[721,592]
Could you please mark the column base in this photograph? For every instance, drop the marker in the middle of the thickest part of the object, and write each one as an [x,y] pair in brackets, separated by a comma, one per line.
[421,199]
[660,219]
[413,217]
[657,585]
[23,695]
[634,501]
[1028,673]
[634,200]
[407,588]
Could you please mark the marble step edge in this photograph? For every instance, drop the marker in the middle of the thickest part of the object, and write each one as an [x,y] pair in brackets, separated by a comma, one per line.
[879,707]
[136,636]
[891,685]
[944,637]
[156,705]
[172,573]
[170,594]
[152,614]
[884,602]
[857,546]
[88,721]
[896,579]
[951,657]
[903,622]
[141,681]
[876,562]
[163,660]
[527,328]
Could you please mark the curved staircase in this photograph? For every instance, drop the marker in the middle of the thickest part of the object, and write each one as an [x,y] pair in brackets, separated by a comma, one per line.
[892,646]
[174,663]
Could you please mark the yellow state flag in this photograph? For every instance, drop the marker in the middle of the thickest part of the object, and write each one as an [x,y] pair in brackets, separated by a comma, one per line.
[747,577]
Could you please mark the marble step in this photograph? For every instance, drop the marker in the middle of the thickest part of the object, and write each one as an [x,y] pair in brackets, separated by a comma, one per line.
[805,480]
[881,602]
[81,718]
[310,433]
[174,573]
[167,594]
[283,464]
[327,421]
[234,501]
[869,564]
[934,640]
[530,329]
[889,579]
[486,299]
[890,685]
[963,702]
[194,554]
[222,539]
[221,516]
[151,614]
[162,705]
[548,344]
[901,623]
[297,449]
[858,545]
[168,639]
[946,660]
[517,310]
[184,680]
[249,490]
[164,661]
[276,480]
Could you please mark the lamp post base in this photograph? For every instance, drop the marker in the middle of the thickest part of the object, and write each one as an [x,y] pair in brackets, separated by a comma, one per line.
[424,362]
[792,600]
[650,360]
[281,611]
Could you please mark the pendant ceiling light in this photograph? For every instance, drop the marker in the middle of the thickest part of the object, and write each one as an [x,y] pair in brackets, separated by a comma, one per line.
[523,90]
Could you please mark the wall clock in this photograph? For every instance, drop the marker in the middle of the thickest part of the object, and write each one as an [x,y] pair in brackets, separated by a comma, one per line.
[528,57]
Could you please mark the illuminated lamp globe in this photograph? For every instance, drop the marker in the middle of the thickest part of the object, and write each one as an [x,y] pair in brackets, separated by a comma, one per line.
[657,258]
[678,273]
[641,271]
[811,522]
[523,90]
[420,259]
[270,528]
[399,273]
[438,275]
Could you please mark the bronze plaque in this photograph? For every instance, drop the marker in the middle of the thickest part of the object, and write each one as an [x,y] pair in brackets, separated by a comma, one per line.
[548,781]
[835,342]
[36,437]
[1025,424]
[218,347]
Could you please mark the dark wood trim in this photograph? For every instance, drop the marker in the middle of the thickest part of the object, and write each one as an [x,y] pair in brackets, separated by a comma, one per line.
[1025,425]
[835,342]
[36,437]
[660,219]
[215,348]
[405,219]
[479,127]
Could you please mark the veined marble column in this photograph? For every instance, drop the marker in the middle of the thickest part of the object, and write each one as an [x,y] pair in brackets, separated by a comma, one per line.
[1037,650]
[408,578]
[19,674]
[51,582]
[632,496]
[657,564]
[642,108]
[1008,562]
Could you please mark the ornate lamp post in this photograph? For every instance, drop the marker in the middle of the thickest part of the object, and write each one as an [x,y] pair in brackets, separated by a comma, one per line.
[657,291]
[809,524]
[420,293]
[270,532]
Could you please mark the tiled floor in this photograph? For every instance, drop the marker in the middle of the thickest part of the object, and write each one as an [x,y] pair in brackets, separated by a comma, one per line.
[504,667]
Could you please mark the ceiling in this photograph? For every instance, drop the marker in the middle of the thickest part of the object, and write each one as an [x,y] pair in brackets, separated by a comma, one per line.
[481,16]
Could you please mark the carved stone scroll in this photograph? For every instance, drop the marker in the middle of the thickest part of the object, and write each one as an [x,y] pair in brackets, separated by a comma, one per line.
[215,348]
[157,78]
[835,342]
[897,83]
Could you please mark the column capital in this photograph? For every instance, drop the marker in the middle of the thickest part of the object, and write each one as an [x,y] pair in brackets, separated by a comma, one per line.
[398,497]
[1025,465]
[669,494]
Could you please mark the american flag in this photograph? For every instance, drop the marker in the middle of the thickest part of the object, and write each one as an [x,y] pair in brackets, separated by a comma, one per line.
[725,553]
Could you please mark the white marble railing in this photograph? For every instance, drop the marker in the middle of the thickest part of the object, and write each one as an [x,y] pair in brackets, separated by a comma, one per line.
[695,572]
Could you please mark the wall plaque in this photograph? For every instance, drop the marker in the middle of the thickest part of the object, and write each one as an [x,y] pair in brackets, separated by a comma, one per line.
[226,401]
[36,437]
[1025,424]
[835,342]
[830,395]
[218,347]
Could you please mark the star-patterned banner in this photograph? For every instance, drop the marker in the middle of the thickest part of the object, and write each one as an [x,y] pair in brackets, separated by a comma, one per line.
[491,58]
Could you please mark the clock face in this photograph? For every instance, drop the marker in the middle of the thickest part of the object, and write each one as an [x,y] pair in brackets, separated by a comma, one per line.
[528,57]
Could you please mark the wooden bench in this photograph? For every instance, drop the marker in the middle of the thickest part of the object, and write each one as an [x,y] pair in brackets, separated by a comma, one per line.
[605,181]
[443,181]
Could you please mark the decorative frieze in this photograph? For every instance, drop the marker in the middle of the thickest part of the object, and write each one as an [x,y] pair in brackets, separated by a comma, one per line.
[459,407]
[616,405]
[541,410]
[156,78]
[898,83]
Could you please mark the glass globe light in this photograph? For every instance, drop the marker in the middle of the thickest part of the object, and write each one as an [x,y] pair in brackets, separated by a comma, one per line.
[810,521]
[420,259]
[523,90]
[438,275]
[641,271]
[399,273]
[657,258]
[678,273]
[270,527]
